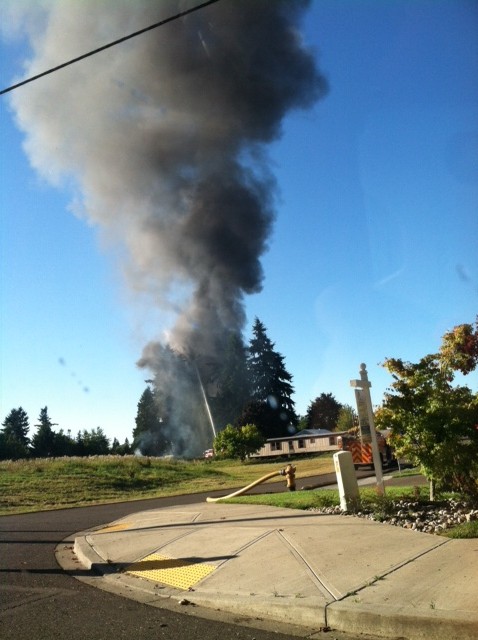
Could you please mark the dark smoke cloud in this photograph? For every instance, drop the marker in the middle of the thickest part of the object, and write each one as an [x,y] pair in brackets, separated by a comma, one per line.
[163,139]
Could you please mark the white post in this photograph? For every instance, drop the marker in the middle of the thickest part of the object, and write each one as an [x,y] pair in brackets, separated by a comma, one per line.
[363,385]
[346,480]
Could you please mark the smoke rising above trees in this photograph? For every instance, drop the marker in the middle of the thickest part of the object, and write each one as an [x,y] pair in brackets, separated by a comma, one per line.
[162,139]
[251,386]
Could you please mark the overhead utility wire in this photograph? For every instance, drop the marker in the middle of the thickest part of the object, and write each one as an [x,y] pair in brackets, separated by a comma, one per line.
[109,45]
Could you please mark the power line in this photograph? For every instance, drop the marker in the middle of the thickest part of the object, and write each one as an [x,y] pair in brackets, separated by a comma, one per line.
[109,45]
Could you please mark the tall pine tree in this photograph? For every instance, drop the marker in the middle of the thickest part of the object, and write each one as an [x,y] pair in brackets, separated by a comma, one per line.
[14,439]
[43,441]
[148,435]
[272,409]
[16,425]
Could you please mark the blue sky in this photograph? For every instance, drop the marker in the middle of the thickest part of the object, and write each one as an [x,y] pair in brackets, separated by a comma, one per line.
[374,249]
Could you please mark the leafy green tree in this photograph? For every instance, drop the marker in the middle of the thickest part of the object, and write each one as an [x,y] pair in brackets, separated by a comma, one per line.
[271,385]
[459,348]
[432,422]
[347,418]
[323,412]
[43,441]
[233,385]
[301,423]
[14,439]
[238,442]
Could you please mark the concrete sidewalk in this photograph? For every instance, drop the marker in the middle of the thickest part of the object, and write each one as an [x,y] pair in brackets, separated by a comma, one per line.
[312,570]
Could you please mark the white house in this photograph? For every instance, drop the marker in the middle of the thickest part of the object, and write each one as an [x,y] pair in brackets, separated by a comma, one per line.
[302,442]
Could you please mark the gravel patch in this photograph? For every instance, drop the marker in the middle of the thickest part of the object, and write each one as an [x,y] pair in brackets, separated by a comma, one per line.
[427,517]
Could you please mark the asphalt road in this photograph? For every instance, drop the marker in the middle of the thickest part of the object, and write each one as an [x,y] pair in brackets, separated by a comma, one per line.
[40,601]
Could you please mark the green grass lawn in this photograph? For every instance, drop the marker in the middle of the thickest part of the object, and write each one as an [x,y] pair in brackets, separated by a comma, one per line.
[328,497]
[42,484]
[465,530]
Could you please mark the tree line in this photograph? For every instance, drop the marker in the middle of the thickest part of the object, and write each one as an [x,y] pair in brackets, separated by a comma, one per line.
[15,442]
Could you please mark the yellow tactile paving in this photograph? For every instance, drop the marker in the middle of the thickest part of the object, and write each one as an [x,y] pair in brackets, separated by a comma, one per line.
[114,527]
[180,574]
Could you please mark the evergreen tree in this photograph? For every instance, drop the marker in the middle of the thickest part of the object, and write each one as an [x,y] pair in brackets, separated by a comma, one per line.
[80,449]
[233,385]
[126,447]
[16,425]
[94,442]
[43,441]
[148,435]
[271,385]
[261,360]
[120,449]
[323,412]
[63,444]
[14,439]
[11,448]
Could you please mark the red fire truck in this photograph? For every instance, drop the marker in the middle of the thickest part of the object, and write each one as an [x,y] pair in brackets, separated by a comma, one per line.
[362,451]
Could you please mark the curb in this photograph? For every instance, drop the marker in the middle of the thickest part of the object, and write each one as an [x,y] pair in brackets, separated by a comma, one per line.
[438,625]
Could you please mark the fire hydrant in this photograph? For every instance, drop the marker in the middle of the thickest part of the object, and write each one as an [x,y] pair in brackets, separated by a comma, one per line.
[289,473]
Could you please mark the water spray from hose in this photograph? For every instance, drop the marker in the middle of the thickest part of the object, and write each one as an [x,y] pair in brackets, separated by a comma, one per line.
[206,403]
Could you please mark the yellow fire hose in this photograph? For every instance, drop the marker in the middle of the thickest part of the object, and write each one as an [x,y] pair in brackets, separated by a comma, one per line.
[249,486]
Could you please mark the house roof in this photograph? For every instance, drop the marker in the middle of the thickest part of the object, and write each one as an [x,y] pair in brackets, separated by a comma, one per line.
[308,433]
[313,432]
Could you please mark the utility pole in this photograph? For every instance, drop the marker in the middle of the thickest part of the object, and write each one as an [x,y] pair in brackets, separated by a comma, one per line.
[366,422]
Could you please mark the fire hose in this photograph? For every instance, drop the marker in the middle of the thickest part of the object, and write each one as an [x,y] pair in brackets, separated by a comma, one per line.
[289,472]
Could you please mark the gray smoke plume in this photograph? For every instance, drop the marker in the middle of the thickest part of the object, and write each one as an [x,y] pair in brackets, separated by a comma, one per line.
[163,139]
